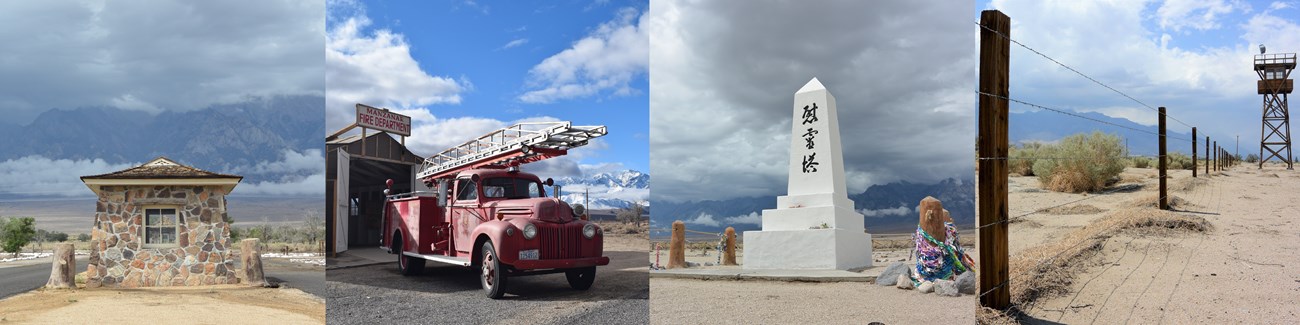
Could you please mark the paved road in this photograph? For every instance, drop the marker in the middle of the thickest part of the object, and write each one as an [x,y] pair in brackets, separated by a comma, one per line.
[311,279]
[451,295]
[20,279]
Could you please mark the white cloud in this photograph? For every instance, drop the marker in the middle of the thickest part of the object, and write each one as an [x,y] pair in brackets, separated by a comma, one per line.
[515,43]
[40,176]
[704,219]
[375,67]
[878,213]
[296,186]
[606,60]
[310,160]
[753,218]
[1196,14]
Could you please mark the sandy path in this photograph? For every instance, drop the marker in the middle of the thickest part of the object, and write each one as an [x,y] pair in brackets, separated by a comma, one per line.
[677,301]
[224,304]
[1236,273]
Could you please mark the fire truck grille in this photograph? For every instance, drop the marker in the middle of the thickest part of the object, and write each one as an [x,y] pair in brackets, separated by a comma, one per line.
[560,242]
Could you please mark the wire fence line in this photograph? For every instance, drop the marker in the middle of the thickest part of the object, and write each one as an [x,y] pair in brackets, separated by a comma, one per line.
[1061,111]
[1012,40]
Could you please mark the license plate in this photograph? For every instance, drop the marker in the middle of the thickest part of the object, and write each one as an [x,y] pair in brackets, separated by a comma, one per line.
[530,254]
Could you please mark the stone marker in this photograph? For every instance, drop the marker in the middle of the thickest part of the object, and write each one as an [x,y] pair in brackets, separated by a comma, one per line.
[677,246]
[729,255]
[814,226]
[251,259]
[63,273]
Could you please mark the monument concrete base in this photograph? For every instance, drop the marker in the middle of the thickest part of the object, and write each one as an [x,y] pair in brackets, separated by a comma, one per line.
[814,249]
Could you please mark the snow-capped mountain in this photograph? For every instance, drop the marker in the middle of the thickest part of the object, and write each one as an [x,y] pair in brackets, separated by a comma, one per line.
[615,190]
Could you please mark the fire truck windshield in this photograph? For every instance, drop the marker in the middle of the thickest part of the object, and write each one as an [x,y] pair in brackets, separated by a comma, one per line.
[511,188]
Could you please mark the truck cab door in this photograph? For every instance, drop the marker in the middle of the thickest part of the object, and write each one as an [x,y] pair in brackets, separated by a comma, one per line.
[464,212]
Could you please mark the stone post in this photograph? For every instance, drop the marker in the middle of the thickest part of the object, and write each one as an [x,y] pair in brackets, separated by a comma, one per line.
[677,246]
[63,273]
[729,255]
[251,259]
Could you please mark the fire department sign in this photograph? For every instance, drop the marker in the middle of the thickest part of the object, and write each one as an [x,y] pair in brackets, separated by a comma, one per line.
[384,120]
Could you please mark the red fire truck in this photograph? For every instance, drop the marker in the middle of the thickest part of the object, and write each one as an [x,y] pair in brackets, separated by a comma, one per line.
[485,214]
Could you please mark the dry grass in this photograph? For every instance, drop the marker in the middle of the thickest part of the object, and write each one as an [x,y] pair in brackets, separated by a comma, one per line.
[892,244]
[624,228]
[1151,200]
[1049,269]
[1187,184]
[990,316]
[1075,209]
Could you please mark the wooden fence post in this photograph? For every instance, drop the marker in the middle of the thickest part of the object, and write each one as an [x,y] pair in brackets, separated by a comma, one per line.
[677,246]
[729,254]
[1207,155]
[1216,155]
[991,146]
[1193,152]
[1164,172]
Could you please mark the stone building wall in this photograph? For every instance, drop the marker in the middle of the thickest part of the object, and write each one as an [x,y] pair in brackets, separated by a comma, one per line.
[202,255]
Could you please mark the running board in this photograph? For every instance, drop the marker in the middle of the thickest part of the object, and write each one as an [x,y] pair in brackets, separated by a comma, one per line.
[440,258]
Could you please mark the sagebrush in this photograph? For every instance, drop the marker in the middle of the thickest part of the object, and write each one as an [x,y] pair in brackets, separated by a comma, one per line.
[1081,163]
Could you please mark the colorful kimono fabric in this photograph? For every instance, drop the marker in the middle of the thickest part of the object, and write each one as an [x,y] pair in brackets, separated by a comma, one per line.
[939,260]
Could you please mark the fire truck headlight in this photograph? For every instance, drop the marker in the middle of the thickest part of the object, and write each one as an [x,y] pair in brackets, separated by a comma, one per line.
[530,231]
[589,231]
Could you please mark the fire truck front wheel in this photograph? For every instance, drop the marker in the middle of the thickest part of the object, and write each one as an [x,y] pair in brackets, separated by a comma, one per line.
[581,278]
[492,273]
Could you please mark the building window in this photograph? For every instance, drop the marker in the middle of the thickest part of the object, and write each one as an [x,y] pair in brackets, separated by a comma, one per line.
[160,227]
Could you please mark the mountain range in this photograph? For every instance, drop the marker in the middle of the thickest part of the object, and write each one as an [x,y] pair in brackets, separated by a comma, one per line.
[888,208]
[1048,126]
[217,137]
[610,190]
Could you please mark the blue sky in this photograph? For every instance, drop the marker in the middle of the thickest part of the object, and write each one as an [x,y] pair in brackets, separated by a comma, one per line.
[462,68]
[1193,57]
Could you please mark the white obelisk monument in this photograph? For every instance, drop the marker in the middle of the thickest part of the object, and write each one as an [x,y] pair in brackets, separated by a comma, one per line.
[814,226]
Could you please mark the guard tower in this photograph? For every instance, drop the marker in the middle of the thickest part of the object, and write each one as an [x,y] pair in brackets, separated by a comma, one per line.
[1274,84]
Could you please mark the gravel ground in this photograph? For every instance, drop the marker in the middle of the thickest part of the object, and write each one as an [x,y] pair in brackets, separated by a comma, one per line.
[451,295]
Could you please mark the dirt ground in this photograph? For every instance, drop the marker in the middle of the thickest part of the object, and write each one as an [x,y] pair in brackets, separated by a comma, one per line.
[1238,272]
[686,301]
[224,304]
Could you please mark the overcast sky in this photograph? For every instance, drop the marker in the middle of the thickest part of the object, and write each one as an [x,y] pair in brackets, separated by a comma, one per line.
[155,55]
[724,77]
[1193,57]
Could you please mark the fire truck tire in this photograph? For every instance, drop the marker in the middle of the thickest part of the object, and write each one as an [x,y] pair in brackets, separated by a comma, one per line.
[492,274]
[581,278]
[407,264]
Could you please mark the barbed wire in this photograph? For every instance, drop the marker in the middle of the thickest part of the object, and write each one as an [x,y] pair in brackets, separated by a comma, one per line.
[1075,114]
[1008,38]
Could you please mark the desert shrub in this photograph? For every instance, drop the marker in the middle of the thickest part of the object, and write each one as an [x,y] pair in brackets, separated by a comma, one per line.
[1022,158]
[1252,158]
[1085,163]
[1178,160]
[1141,162]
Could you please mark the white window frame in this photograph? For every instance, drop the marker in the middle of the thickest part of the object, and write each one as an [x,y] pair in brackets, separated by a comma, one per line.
[144,226]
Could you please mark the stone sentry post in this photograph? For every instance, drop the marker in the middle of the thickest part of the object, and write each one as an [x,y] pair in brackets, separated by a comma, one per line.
[63,273]
[251,259]
[814,226]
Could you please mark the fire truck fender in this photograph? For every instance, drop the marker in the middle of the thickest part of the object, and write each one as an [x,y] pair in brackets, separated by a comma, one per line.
[494,231]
